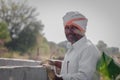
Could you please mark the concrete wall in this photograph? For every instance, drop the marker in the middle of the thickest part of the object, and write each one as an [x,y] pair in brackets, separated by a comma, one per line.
[18,62]
[11,69]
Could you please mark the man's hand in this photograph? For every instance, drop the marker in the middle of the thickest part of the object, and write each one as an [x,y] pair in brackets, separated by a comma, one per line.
[51,62]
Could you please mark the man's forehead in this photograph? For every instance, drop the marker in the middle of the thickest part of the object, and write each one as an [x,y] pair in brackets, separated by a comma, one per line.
[71,26]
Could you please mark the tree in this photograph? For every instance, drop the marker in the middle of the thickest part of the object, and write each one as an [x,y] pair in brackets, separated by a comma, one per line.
[101,46]
[4,34]
[17,15]
[22,24]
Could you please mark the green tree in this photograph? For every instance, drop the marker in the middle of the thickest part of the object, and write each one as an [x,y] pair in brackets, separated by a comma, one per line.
[4,33]
[22,24]
[27,38]
[17,15]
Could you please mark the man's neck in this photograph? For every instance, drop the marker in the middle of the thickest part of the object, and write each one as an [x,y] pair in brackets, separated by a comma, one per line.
[77,40]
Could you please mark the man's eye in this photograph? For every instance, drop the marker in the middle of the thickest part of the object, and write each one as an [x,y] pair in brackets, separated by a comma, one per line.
[72,28]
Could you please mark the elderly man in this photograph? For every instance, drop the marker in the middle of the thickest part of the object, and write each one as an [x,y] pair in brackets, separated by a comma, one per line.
[80,60]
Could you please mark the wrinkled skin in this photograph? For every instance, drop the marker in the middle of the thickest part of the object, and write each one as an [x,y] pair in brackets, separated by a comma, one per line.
[73,34]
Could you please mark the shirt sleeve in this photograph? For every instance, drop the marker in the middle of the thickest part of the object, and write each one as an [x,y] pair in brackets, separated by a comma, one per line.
[87,65]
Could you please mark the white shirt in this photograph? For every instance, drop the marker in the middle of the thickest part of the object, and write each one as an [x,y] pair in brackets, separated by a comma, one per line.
[80,61]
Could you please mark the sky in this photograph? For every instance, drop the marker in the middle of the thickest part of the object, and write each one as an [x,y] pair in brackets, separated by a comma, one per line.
[103,18]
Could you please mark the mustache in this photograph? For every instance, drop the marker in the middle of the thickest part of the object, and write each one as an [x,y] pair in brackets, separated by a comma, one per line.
[73,36]
[78,32]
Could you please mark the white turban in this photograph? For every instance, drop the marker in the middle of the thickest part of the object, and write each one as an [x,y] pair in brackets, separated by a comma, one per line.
[75,18]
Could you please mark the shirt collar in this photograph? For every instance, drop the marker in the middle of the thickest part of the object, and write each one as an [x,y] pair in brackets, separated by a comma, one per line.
[80,42]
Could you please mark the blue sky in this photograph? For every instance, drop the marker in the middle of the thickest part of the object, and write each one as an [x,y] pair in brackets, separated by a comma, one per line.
[103,18]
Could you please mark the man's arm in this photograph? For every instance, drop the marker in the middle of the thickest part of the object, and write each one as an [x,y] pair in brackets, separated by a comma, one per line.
[56,63]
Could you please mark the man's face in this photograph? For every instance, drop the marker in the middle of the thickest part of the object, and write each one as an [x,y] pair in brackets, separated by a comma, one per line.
[72,33]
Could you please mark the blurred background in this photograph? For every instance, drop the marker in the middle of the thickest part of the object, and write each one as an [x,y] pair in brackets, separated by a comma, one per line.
[33,29]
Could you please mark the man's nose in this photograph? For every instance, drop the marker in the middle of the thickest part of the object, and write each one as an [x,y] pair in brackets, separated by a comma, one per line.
[71,29]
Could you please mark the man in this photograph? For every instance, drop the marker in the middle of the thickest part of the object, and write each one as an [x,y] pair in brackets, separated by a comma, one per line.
[80,60]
